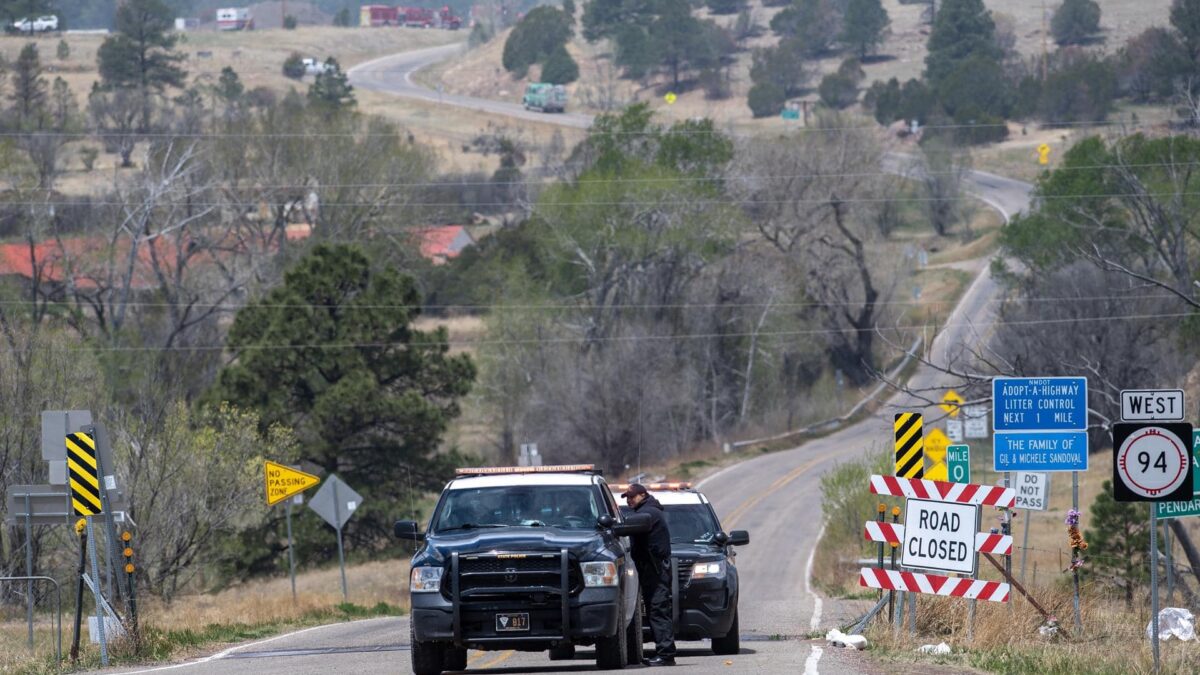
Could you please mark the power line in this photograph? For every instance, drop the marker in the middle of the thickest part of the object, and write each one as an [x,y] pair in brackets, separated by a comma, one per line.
[637,306]
[661,130]
[625,339]
[623,202]
[717,178]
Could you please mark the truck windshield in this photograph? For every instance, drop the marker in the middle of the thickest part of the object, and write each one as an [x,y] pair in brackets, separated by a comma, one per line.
[690,523]
[573,507]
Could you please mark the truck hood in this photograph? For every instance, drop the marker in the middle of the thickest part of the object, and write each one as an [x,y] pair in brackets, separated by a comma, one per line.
[695,551]
[582,544]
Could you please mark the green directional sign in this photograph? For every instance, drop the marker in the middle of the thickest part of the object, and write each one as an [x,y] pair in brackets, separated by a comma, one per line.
[958,461]
[1196,460]
[1178,509]
[1192,508]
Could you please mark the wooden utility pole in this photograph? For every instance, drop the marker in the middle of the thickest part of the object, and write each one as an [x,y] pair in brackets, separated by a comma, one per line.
[1045,50]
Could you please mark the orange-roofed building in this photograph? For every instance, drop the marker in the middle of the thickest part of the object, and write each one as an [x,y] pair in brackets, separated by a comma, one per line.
[444,242]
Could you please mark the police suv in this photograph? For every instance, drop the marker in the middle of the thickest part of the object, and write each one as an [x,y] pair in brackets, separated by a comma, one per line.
[704,578]
[524,558]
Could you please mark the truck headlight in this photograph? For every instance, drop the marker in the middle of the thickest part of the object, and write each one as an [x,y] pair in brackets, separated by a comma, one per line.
[599,574]
[708,570]
[426,579]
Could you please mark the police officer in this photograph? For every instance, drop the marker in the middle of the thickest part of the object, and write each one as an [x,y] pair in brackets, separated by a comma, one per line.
[652,556]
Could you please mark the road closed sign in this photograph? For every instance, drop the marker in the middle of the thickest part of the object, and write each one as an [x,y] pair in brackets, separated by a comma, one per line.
[940,536]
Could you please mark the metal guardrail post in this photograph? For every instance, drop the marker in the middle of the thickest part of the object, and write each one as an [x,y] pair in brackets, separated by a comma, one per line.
[31,579]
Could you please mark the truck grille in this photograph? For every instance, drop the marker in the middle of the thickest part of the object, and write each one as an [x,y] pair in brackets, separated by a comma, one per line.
[484,576]
[684,571]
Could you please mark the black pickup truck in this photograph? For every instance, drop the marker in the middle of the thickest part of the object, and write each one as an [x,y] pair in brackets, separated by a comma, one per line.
[529,558]
[705,580]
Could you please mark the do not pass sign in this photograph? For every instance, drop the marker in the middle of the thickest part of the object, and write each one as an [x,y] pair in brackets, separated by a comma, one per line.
[940,536]
[1152,462]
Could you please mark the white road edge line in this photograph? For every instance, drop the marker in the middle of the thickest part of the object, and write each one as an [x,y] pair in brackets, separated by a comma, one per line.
[815,622]
[712,476]
[227,652]
[810,664]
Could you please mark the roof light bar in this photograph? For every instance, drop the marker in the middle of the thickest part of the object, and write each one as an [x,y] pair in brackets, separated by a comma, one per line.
[621,487]
[508,470]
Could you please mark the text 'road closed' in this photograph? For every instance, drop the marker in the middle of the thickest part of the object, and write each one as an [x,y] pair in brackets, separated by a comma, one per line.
[940,536]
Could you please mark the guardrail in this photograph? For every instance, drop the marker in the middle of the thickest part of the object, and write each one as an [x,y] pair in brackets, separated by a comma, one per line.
[58,602]
[831,424]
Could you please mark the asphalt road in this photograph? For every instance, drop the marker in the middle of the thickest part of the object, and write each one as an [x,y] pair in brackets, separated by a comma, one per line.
[776,497]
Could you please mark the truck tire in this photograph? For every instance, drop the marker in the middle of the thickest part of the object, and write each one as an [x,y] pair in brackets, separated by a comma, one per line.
[731,642]
[426,656]
[454,658]
[564,652]
[633,637]
[611,652]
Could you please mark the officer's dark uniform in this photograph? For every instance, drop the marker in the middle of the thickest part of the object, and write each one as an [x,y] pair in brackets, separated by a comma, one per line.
[652,556]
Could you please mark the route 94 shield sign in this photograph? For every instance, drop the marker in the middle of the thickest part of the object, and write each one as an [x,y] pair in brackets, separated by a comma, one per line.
[1152,462]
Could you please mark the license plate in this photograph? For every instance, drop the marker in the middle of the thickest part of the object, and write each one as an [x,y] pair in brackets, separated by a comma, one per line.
[510,623]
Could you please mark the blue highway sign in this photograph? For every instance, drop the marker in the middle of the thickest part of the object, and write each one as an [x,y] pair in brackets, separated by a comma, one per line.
[1040,424]
[1039,403]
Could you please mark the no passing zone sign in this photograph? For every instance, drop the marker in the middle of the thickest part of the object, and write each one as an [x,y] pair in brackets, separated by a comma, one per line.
[1152,462]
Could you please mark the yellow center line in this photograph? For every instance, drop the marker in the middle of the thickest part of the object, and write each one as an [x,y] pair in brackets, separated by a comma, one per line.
[504,656]
[750,503]
[474,655]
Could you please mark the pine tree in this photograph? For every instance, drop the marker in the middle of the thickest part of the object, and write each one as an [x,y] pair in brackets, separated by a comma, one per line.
[560,68]
[1075,21]
[140,55]
[331,89]
[962,29]
[864,25]
[29,89]
[1119,540]
[1185,17]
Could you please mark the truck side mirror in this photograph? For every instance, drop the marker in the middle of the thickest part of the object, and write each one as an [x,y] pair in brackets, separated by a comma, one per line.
[635,523]
[605,521]
[721,539]
[739,538]
[408,529]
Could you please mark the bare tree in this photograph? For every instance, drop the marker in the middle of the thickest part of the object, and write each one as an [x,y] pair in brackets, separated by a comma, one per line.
[809,195]
[940,173]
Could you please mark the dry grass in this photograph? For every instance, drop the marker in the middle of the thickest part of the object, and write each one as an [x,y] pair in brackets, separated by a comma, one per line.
[257,56]
[268,600]
[1006,638]
[194,624]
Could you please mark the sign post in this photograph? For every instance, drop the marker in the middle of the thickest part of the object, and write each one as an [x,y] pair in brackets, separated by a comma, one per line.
[1152,462]
[1033,494]
[284,482]
[336,502]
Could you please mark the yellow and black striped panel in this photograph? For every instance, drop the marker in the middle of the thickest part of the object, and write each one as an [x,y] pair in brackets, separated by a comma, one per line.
[910,446]
[85,479]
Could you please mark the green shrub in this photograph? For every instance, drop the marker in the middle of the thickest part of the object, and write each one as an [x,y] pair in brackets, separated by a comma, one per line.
[766,99]
[293,66]
[560,68]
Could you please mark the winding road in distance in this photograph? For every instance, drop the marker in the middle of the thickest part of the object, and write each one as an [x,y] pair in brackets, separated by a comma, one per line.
[775,496]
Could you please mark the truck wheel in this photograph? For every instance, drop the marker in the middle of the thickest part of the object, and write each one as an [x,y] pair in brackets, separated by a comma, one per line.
[633,637]
[564,652]
[731,642]
[426,656]
[454,658]
[611,653]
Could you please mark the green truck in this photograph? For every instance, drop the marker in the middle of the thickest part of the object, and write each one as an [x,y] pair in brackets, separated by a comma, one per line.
[545,97]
